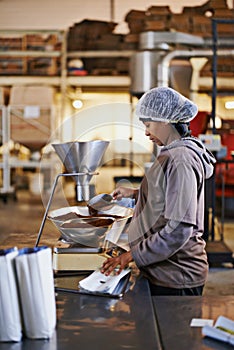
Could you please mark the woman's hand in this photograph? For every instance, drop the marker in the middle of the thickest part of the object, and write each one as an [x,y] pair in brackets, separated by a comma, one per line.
[119,262]
[124,192]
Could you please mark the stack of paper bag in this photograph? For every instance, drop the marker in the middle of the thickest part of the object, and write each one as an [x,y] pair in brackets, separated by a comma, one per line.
[100,283]
[36,291]
[10,319]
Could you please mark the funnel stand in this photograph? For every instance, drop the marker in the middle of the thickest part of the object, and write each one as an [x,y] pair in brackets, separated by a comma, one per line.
[51,197]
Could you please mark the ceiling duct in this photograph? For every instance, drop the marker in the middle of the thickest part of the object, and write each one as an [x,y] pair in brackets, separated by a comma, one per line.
[167,40]
[164,59]
[163,70]
[143,71]
[154,46]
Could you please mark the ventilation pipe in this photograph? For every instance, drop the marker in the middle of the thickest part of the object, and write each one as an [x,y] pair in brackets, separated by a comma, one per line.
[197,63]
[163,68]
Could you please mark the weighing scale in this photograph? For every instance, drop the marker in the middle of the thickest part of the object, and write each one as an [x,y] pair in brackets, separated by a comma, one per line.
[81,159]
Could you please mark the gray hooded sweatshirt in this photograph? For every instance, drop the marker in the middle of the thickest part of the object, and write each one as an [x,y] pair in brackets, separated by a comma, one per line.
[165,234]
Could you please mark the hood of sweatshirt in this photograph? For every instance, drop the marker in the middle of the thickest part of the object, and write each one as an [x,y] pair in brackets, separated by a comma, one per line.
[207,158]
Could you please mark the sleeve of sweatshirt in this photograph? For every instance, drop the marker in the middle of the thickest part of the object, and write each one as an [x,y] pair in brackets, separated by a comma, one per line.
[161,245]
[181,193]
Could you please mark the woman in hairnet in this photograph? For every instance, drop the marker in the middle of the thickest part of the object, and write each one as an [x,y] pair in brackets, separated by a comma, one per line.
[165,234]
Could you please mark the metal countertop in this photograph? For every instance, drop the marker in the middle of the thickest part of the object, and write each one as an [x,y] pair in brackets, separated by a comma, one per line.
[136,321]
[95,322]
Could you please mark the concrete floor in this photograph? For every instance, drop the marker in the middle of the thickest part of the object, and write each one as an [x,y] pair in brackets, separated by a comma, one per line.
[21,220]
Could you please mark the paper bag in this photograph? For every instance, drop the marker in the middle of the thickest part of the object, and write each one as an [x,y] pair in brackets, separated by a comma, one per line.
[36,290]
[223,330]
[10,320]
[98,282]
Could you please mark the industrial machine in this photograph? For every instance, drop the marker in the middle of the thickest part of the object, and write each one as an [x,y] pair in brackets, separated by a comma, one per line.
[82,245]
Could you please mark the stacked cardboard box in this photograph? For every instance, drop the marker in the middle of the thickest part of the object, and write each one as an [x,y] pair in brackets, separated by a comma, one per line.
[200,17]
[43,66]
[13,65]
[210,5]
[136,21]
[10,65]
[201,25]
[9,43]
[107,66]
[39,42]
[84,35]
[225,67]
[157,18]
[181,23]
[193,20]
[98,35]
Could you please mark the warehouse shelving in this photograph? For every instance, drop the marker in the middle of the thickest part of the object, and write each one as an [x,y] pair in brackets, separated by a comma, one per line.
[28,121]
[58,78]
[8,163]
[61,79]
[25,45]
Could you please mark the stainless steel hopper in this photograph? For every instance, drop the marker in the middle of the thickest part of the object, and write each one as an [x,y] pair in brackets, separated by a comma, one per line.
[82,158]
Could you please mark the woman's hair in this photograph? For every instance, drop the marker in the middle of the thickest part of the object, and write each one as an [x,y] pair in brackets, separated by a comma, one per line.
[182,128]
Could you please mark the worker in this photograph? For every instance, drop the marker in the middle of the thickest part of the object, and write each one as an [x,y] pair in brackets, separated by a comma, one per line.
[165,233]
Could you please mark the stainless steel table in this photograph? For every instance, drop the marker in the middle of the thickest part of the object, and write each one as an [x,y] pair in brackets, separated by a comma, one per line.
[94,322]
[137,321]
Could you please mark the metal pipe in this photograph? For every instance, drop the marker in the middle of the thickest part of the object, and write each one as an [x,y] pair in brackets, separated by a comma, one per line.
[50,200]
[213,115]
[164,65]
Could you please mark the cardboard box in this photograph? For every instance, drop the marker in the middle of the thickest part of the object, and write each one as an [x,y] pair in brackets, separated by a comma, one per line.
[31,115]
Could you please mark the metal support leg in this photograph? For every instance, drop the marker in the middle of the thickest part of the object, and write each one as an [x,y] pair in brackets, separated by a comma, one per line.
[47,209]
[51,197]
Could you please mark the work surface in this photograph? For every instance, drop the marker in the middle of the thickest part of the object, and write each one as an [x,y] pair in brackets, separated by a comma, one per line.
[136,321]
[174,315]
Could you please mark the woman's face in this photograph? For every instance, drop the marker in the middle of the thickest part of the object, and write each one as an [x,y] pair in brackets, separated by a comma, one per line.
[157,132]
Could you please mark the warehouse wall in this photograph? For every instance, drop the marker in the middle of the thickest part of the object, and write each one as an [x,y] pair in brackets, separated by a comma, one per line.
[60,14]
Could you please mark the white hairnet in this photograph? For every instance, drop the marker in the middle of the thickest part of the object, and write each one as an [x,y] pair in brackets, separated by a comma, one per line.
[165,104]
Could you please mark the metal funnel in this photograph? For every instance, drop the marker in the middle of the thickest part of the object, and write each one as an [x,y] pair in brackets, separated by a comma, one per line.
[81,157]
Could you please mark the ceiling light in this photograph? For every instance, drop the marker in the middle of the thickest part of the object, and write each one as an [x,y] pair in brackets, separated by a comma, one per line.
[229,105]
[77,104]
